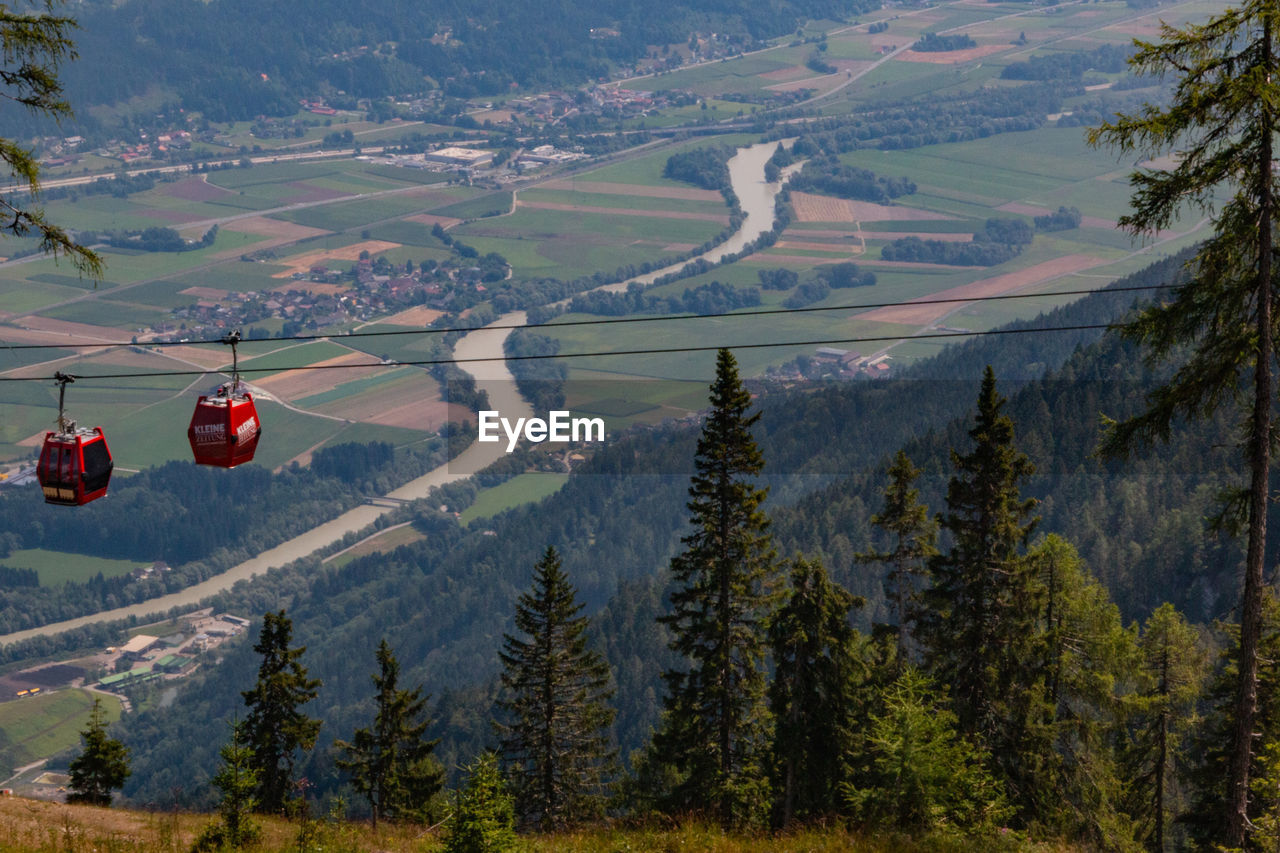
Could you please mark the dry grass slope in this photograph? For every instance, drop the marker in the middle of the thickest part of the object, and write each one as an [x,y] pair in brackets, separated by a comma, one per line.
[32,826]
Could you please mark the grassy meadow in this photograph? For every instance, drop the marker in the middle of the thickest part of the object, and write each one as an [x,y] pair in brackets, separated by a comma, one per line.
[31,826]
[38,726]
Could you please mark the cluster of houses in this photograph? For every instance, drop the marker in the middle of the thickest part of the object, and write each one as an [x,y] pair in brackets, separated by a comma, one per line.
[365,291]
[833,363]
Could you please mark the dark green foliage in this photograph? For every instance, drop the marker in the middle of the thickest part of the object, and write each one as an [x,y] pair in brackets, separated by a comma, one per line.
[779,279]
[846,274]
[807,293]
[1011,232]
[102,765]
[934,43]
[816,63]
[275,726]
[714,730]
[351,462]
[1069,65]
[912,540]
[827,175]
[200,52]
[11,577]
[158,239]
[979,622]
[925,774]
[704,167]
[483,818]
[710,298]
[1064,219]
[1174,666]
[1209,750]
[391,761]
[540,381]
[977,253]
[555,714]
[237,780]
[932,119]
[637,648]
[1090,673]
[817,667]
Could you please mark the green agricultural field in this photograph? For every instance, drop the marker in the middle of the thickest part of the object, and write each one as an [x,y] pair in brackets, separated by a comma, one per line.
[20,423]
[20,297]
[162,294]
[646,169]
[283,355]
[408,176]
[100,312]
[40,726]
[238,179]
[70,279]
[734,75]
[478,207]
[521,489]
[623,401]
[341,216]
[620,230]
[389,376]
[410,234]
[98,213]
[625,202]
[386,541]
[361,433]
[57,567]
[402,347]
[238,276]
[129,267]
[13,358]
[570,255]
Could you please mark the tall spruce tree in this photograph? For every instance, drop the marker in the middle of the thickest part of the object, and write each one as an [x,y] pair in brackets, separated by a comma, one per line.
[390,762]
[1174,668]
[555,736]
[913,542]
[715,730]
[1221,122]
[275,725]
[817,667]
[980,623]
[102,765]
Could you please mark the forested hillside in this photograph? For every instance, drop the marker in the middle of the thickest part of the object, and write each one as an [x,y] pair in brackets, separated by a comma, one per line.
[232,59]
[445,601]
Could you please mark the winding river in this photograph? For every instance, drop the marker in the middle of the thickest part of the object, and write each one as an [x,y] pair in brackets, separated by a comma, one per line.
[756,197]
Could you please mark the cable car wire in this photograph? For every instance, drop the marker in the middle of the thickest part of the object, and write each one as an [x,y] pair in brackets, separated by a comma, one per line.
[537,357]
[764,312]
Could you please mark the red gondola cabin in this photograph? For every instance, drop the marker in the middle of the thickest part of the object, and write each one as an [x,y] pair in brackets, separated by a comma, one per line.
[224,429]
[75,466]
